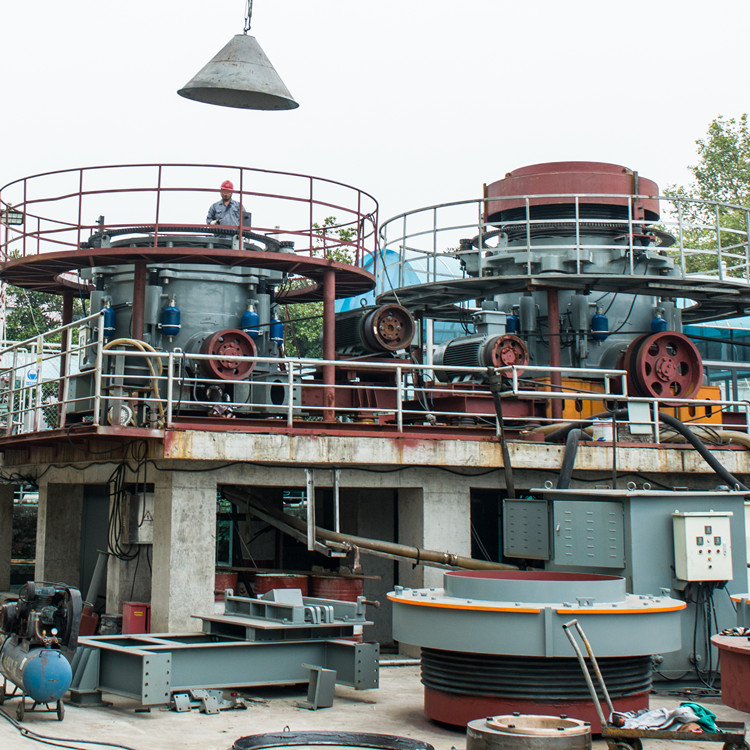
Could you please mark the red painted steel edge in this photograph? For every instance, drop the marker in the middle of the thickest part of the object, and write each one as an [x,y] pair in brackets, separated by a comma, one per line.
[735,670]
[459,710]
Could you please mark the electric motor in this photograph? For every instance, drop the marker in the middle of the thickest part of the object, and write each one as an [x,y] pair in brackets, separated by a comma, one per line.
[480,351]
[370,330]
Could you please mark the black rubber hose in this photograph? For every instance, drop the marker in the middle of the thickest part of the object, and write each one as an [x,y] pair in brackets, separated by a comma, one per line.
[721,471]
[495,380]
[706,454]
[569,457]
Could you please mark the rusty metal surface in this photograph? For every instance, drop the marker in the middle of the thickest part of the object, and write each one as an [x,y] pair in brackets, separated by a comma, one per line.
[566,177]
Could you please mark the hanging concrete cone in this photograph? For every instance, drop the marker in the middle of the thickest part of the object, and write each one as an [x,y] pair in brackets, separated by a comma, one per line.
[240,75]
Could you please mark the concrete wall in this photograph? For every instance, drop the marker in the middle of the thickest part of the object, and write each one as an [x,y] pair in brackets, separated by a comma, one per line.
[372,513]
[58,533]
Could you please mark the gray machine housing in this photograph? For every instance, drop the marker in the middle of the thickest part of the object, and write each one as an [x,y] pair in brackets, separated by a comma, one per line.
[210,299]
[603,256]
[627,533]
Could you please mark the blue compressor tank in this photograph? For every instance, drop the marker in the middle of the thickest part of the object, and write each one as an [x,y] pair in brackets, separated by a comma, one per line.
[43,674]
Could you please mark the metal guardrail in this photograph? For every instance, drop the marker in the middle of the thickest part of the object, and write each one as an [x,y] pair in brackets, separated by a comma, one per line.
[708,239]
[414,394]
[56,207]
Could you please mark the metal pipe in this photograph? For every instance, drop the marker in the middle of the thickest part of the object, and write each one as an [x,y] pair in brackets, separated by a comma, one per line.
[555,359]
[100,570]
[376,545]
[584,669]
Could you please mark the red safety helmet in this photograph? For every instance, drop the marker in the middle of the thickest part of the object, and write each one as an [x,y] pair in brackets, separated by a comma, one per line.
[227,185]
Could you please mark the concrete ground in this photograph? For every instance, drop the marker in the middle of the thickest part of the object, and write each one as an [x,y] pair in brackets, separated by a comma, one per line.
[394,708]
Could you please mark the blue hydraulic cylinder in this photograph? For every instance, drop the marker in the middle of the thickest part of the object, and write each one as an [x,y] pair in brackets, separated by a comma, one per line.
[277,331]
[599,327]
[170,319]
[250,322]
[110,321]
[658,324]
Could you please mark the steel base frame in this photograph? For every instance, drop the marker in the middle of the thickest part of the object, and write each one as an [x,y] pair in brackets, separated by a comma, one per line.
[149,668]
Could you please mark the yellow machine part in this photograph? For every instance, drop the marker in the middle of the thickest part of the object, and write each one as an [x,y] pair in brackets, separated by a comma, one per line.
[579,407]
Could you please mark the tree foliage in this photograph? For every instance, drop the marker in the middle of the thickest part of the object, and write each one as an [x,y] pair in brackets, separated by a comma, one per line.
[714,204]
[30,313]
[305,320]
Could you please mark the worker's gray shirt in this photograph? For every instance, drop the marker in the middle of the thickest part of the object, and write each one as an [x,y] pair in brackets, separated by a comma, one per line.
[228,215]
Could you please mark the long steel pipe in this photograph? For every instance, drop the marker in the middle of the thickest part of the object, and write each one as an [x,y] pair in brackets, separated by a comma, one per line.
[376,545]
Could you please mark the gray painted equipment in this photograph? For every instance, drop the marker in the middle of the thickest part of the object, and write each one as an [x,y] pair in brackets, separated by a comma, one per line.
[240,75]
[282,639]
[528,732]
[492,641]
[630,533]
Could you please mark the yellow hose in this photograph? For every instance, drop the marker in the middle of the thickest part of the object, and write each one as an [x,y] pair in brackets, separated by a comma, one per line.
[144,347]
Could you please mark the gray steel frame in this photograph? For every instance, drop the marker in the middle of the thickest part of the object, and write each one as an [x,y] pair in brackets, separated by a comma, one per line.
[149,668]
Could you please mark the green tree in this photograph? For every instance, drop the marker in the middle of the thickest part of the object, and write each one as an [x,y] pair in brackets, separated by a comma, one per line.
[305,319]
[713,205]
[29,313]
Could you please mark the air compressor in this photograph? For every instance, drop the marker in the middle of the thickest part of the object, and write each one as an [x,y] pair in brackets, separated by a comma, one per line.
[40,636]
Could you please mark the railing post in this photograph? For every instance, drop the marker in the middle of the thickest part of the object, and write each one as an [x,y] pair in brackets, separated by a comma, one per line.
[631,252]
[12,393]
[38,387]
[402,255]
[170,389]
[399,400]
[329,344]
[290,395]
[98,371]
[158,206]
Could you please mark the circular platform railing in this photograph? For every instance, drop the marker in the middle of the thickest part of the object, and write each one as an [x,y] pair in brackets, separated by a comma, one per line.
[75,210]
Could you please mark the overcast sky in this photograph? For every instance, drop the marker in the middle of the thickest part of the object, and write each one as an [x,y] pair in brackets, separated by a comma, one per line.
[414,101]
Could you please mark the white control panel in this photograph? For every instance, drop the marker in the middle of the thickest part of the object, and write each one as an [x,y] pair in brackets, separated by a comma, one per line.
[702,546]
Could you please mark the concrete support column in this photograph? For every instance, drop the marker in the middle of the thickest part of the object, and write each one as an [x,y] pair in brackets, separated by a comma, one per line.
[6,533]
[58,533]
[435,516]
[182,581]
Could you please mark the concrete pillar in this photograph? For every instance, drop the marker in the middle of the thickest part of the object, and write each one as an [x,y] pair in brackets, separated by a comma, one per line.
[182,580]
[6,533]
[435,516]
[58,533]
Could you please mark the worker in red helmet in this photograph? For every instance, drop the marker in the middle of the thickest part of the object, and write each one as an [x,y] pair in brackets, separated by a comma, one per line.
[226,211]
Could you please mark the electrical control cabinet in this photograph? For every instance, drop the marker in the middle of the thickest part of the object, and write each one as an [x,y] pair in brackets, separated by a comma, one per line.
[702,546]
